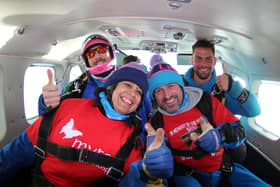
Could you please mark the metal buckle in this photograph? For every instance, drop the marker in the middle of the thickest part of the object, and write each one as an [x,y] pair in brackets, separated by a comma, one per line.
[226,169]
[39,152]
[114,174]
[76,87]
[216,90]
[83,156]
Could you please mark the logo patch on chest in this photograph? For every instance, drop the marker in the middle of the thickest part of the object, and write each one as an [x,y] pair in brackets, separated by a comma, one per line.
[69,130]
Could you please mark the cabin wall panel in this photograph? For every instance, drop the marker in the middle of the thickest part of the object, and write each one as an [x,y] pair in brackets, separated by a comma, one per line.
[12,71]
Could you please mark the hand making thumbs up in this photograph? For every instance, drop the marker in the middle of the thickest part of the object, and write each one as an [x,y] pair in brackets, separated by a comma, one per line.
[210,139]
[223,81]
[205,126]
[51,93]
[156,136]
[158,159]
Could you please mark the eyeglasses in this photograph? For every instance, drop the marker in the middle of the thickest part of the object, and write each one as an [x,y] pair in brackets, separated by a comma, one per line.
[99,49]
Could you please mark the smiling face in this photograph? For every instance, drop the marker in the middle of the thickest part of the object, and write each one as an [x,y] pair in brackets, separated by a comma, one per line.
[126,97]
[98,54]
[203,62]
[169,97]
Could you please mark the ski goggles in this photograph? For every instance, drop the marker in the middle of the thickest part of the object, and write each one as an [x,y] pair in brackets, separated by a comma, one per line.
[101,49]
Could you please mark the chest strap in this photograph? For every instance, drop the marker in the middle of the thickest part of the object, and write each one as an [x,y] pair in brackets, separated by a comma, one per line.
[79,155]
[76,88]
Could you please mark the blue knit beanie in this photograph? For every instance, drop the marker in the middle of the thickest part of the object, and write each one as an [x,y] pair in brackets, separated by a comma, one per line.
[132,72]
[162,74]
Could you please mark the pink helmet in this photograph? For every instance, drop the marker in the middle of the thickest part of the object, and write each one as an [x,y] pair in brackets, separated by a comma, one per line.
[92,41]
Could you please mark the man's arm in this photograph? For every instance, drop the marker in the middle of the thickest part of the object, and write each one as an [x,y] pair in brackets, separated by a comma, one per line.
[241,101]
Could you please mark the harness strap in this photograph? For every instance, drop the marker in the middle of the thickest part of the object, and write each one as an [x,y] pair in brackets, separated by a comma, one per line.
[226,169]
[76,88]
[183,170]
[40,181]
[196,154]
[132,140]
[205,107]
[220,95]
[39,148]
[80,155]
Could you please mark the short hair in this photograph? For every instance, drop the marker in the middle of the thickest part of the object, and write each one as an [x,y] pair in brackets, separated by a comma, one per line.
[204,43]
[130,58]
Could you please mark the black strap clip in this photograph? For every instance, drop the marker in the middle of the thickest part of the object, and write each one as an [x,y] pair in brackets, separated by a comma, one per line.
[114,174]
[227,164]
[39,152]
[227,168]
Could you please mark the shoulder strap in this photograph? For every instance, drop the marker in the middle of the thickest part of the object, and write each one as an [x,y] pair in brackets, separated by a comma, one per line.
[76,88]
[220,95]
[37,175]
[132,139]
[205,106]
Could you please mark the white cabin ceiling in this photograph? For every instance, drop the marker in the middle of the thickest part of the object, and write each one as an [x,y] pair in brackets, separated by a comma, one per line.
[243,25]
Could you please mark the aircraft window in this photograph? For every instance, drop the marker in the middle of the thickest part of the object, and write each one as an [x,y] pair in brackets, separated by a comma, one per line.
[75,72]
[268,96]
[34,79]
[120,57]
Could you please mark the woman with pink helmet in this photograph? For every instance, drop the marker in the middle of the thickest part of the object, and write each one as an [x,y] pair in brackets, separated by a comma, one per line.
[99,58]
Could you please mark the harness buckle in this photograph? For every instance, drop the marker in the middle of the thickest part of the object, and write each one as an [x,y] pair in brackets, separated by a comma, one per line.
[216,90]
[114,174]
[83,156]
[226,168]
[39,152]
[76,90]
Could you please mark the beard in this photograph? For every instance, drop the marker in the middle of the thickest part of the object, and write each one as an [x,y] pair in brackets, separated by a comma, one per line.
[202,76]
[170,108]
